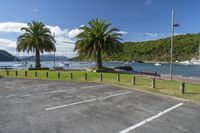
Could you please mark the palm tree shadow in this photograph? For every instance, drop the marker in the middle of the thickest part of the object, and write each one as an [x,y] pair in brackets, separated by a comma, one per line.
[192,93]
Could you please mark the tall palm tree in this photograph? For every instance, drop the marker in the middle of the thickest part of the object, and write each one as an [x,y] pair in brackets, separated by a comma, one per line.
[97,39]
[36,38]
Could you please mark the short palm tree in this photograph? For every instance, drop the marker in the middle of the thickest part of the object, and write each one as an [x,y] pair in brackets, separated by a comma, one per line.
[36,38]
[97,39]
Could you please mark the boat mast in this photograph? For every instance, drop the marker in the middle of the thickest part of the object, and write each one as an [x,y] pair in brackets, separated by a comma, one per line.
[199,50]
[54,54]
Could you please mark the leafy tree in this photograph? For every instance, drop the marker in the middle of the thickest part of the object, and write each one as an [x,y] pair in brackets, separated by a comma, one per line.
[36,38]
[98,39]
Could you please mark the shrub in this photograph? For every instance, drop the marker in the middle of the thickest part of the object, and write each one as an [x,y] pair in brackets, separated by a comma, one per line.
[42,68]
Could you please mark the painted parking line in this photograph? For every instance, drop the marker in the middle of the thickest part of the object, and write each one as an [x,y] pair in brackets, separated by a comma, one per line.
[26,95]
[89,100]
[49,92]
[13,95]
[150,119]
[85,87]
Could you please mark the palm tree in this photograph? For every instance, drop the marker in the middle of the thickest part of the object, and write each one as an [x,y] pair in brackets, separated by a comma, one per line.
[36,38]
[97,39]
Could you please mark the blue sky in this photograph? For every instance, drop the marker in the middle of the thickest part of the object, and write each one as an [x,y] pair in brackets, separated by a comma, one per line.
[138,19]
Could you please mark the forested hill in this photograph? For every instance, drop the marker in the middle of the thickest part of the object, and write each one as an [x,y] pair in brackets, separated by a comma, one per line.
[5,56]
[185,48]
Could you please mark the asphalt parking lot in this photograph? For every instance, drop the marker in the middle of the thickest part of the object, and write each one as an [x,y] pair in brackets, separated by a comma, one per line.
[36,106]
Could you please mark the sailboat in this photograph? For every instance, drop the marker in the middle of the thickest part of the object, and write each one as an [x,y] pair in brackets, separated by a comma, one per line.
[20,63]
[64,64]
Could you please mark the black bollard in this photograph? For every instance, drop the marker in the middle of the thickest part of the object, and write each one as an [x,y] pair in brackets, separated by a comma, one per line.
[58,75]
[25,73]
[118,78]
[182,87]
[133,80]
[101,77]
[71,75]
[47,74]
[36,74]
[153,83]
[7,72]
[85,76]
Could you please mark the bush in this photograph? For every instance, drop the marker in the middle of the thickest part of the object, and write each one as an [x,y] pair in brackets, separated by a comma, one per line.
[42,68]
[104,69]
[126,68]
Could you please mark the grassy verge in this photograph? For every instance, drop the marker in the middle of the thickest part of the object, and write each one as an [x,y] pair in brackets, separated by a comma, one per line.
[162,86]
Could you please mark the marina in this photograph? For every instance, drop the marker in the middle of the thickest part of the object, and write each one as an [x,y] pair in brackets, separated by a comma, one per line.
[190,70]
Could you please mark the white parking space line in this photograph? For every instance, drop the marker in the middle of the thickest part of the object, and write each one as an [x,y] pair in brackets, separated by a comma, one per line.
[13,95]
[27,95]
[85,87]
[87,101]
[50,92]
[150,119]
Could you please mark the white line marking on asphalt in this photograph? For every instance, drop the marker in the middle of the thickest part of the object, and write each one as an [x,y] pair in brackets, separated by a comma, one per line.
[58,91]
[11,95]
[87,101]
[27,95]
[150,119]
[50,92]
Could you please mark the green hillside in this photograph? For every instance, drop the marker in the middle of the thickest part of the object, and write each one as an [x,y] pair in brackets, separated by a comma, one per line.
[5,56]
[185,48]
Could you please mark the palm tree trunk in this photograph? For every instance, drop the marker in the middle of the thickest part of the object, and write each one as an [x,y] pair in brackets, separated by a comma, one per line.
[37,59]
[98,60]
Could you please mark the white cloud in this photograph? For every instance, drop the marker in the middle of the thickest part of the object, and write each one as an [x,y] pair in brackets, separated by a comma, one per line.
[74,32]
[147,2]
[8,45]
[122,32]
[154,36]
[34,10]
[148,36]
[64,37]
[11,27]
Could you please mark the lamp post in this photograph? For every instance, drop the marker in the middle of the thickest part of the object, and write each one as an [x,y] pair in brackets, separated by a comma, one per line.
[172,41]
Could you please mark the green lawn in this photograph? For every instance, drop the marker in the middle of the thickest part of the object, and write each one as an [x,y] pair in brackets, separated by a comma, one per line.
[166,87]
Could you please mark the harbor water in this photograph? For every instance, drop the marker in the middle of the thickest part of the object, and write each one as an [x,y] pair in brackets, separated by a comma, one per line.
[178,69]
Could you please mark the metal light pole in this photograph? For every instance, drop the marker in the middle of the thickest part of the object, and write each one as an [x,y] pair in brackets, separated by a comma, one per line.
[172,43]
[171,53]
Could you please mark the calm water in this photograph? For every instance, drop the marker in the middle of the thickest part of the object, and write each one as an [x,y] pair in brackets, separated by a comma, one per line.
[184,70]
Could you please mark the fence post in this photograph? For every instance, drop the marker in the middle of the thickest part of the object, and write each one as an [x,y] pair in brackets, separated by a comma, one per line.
[118,78]
[101,77]
[7,73]
[58,75]
[182,87]
[36,74]
[25,73]
[16,73]
[153,83]
[71,75]
[133,80]
[47,74]
[85,76]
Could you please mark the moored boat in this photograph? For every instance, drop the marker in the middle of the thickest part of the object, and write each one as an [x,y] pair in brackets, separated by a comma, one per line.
[158,64]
